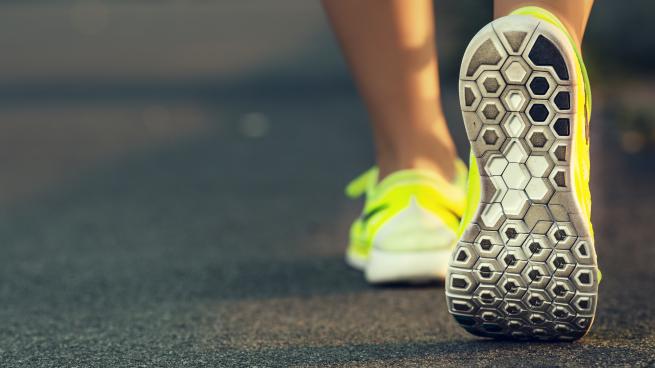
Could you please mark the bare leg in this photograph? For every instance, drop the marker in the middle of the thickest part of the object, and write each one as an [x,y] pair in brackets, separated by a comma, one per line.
[390,46]
[574,14]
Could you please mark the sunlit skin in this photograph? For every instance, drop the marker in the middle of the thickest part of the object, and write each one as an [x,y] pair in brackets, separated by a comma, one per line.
[391,50]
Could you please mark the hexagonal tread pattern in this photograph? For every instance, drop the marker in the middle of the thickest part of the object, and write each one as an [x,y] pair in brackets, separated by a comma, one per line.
[524,268]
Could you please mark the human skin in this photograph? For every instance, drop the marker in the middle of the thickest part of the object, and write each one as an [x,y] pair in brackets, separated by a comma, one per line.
[390,47]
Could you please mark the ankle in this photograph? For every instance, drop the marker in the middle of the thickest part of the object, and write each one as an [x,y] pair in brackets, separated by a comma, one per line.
[439,160]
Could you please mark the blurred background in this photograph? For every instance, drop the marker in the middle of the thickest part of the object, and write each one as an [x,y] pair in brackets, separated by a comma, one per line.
[86,83]
[172,171]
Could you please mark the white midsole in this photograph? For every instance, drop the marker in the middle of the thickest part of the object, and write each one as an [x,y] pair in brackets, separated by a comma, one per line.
[394,266]
[356,262]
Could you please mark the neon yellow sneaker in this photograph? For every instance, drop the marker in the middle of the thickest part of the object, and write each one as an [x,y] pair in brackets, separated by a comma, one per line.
[408,227]
[525,265]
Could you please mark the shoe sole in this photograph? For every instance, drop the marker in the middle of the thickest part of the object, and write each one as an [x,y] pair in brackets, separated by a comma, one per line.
[415,267]
[525,266]
[356,262]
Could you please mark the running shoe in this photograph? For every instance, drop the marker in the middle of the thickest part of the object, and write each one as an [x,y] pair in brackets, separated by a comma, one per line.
[525,265]
[409,225]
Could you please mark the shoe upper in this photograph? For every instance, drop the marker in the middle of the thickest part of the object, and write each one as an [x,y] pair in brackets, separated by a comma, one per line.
[410,210]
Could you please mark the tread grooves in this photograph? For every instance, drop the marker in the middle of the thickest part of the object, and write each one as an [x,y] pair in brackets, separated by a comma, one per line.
[533,278]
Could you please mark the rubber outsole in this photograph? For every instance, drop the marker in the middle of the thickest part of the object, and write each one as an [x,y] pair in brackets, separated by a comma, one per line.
[525,267]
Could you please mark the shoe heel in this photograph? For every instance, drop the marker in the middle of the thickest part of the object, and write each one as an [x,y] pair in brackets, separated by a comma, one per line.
[526,266]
